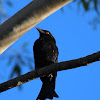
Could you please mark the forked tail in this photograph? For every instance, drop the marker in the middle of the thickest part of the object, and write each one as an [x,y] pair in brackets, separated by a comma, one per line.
[47,91]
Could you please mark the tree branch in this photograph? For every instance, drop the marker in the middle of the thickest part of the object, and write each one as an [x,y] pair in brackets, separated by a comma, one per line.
[27,18]
[49,69]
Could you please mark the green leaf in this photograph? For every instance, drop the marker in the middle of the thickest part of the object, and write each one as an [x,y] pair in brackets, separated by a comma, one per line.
[86,4]
[16,70]
[9,3]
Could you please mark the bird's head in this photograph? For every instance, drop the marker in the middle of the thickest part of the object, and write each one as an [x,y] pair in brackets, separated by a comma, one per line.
[45,33]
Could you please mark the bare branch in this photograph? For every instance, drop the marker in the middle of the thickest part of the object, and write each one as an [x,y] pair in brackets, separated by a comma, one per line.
[49,69]
[25,19]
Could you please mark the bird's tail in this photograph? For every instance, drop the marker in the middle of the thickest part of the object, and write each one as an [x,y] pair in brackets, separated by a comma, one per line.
[47,91]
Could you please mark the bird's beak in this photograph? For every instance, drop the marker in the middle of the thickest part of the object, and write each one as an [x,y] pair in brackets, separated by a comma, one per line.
[40,30]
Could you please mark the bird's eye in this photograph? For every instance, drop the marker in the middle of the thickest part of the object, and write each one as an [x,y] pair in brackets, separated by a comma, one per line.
[47,32]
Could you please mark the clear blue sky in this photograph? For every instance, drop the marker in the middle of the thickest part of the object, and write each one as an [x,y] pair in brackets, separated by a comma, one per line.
[75,38]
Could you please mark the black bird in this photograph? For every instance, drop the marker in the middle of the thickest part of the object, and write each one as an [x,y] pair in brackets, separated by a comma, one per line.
[46,53]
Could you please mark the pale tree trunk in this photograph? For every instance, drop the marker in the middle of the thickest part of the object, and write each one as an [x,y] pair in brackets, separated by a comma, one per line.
[27,18]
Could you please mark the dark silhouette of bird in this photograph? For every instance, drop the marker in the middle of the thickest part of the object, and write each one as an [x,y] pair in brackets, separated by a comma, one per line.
[46,53]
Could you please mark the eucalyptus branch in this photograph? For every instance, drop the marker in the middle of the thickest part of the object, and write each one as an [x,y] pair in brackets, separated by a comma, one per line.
[16,26]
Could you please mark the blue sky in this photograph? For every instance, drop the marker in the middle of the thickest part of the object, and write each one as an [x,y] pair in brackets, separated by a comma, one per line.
[75,38]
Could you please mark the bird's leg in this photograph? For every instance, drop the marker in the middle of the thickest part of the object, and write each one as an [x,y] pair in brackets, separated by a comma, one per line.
[51,76]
